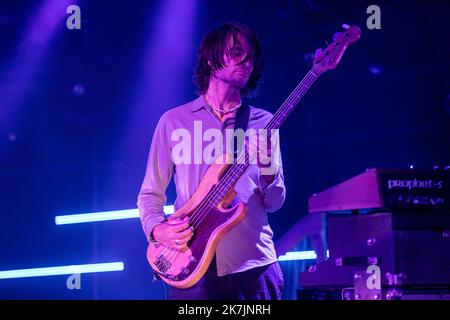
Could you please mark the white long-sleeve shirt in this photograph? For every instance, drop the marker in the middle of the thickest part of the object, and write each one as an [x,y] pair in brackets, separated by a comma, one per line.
[250,243]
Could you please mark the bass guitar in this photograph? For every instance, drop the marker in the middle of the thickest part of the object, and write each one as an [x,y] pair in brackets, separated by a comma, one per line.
[208,208]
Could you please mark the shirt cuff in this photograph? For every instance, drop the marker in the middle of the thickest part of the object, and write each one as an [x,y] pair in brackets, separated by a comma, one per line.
[274,192]
[151,226]
[263,182]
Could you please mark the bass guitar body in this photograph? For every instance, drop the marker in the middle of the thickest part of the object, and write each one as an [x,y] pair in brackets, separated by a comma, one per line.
[184,269]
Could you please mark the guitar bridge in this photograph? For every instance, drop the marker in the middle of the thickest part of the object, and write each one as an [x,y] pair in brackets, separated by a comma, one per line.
[162,263]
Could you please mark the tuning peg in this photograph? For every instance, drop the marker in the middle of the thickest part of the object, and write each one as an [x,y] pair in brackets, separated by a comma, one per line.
[318,53]
[336,35]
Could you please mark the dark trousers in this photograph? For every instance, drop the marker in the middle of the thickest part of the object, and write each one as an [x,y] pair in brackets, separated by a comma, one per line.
[261,283]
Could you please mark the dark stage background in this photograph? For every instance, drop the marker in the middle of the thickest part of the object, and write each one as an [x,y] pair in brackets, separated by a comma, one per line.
[78,109]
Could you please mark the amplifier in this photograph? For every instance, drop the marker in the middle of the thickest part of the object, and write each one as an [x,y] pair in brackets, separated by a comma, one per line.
[418,251]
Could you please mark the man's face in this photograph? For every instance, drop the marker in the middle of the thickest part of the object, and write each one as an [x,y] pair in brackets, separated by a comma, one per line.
[237,69]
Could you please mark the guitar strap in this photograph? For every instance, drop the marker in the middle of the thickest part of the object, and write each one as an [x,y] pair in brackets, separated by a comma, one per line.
[241,122]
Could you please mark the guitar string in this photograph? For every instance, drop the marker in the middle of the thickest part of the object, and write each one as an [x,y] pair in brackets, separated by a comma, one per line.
[235,170]
[308,80]
[231,174]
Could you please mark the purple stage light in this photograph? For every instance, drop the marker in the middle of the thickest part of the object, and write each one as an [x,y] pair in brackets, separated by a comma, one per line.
[167,56]
[164,75]
[22,72]
[165,69]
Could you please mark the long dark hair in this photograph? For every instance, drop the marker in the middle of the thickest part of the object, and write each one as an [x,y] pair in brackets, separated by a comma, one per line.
[212,48]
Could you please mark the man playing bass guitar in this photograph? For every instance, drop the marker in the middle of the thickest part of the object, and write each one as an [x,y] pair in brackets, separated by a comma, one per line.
[242,261]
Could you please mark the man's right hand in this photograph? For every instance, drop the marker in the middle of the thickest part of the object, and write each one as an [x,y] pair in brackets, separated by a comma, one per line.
[174,233]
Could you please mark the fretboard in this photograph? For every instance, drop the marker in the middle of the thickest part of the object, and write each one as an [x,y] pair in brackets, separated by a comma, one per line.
[236,169]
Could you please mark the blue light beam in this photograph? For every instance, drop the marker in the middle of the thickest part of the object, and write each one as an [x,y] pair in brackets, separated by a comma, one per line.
[104,216]
[55,271]
[300,255]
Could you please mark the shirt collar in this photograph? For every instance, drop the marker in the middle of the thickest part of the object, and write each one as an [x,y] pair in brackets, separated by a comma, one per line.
[198,103]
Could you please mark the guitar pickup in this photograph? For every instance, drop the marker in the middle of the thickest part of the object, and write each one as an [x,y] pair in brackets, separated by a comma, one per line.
[162,263]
